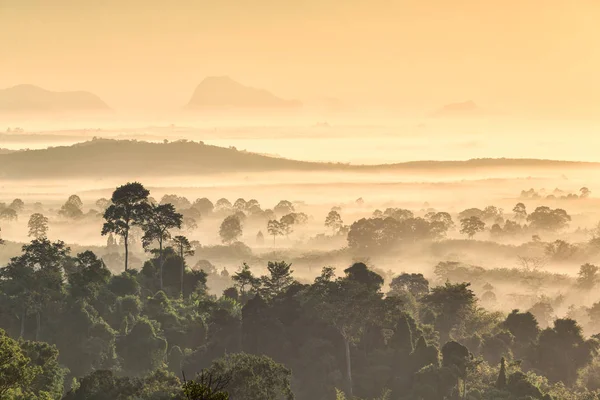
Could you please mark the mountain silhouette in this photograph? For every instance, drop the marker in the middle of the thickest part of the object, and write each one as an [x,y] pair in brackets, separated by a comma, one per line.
[30,98]
[101,158]
[224,92]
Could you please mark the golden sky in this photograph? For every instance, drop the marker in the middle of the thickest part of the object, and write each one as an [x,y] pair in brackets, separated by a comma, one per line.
[522,56]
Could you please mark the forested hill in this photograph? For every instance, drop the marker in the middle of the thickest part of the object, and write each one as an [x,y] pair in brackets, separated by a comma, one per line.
[105,157]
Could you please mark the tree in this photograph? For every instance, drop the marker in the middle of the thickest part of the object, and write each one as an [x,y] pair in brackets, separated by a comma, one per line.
[17,205]
[179,202]
[206,386]
[240,204]
[588,276]
[245,281]
[38,226]
[50,377]
[287,224]
[471,226]
[274,228]
[279,279]
[223,205]
[520,212]
[254,377]
[8,214]
[545,218]
[334,221]
[204,206]
[231,229]
[501,381]
[584,192]
[415,284]
[562,350]
[284,207]
[452,304]
[15,369]
[260,238]
[523,326]
[142,349]
[344,302]
[184,248]
[104,385]
[102,204]
[157,221]
[72,209]
[441,223]
[34,280]
[128,204]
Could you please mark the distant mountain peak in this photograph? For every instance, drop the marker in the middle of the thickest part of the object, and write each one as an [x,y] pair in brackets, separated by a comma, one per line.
[225,92]
[31,98]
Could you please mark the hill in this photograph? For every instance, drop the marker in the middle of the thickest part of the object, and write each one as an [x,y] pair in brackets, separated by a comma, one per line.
[128,158]
[219,92]
[30,98]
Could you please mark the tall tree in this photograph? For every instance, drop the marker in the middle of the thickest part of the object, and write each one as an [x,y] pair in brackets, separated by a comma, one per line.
[157,222]
[274,228]
[38,226]
[126,210]
[184,248]
[231,229]
[254,377]
[520,212]
[471,226]
[73,208]
[279,278]
[34,280]
[245,281]
[334,221]
[15,369]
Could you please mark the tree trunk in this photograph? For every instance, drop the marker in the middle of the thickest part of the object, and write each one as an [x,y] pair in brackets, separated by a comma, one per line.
[160,244]
[37,326]
[23,316]
[126,250]
[182,271]
[348,367]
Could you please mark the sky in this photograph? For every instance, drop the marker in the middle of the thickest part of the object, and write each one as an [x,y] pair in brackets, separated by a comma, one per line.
[525,57]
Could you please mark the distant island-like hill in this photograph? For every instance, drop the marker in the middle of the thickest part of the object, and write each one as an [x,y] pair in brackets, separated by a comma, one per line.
[222,92]
[34,99]
[129,158]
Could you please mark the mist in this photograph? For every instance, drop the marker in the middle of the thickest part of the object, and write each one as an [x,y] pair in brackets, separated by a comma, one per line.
[314,201]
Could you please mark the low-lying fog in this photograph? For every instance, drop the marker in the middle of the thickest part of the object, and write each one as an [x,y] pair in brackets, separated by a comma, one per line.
[522,267]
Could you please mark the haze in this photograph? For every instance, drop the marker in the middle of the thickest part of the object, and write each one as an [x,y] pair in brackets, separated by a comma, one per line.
[310,200]
[516,57]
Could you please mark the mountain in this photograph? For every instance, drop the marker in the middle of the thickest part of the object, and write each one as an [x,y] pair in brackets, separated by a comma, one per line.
[30,98]
[462,109]
[223,92]
[102,158]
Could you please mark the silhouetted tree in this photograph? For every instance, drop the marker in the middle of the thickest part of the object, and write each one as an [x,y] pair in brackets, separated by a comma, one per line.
[471,226]
[231,229]
[284,207]
[520,212]
[274,228]
[544,218]
[129,203]
[184,248]
[73,208]
[334,221]
[157,221]
[38,226]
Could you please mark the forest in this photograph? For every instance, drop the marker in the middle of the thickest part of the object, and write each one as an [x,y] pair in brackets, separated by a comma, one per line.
[155,314]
